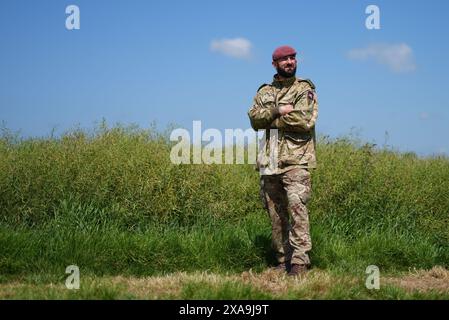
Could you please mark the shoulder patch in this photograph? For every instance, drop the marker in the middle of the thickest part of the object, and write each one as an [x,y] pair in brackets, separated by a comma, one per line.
[265,84]
[308,81]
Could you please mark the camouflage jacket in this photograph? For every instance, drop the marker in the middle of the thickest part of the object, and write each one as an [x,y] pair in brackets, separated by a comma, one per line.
[294,145]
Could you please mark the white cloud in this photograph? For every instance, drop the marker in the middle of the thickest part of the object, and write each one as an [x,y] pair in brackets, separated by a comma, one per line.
[398,57]
[237,48]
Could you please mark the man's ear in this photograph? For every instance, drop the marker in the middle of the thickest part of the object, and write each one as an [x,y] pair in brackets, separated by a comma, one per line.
[275,64]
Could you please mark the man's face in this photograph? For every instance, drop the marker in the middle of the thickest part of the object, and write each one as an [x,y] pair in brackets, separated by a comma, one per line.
[286,66]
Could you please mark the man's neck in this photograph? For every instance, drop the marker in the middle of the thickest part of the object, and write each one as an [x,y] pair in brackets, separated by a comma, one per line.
[284,80]
[281,78]
[277,76]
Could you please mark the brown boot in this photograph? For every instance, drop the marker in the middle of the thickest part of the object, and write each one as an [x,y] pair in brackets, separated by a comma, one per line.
[297,269]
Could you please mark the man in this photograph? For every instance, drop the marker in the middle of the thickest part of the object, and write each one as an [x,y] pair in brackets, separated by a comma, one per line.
[287,109]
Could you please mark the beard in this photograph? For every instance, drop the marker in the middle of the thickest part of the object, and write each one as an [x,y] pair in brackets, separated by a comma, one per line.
[285,73]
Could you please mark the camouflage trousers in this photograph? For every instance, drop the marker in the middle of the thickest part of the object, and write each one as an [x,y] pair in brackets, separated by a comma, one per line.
[284,196]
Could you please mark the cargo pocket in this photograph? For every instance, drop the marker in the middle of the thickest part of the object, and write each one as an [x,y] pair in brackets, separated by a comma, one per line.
[295,148]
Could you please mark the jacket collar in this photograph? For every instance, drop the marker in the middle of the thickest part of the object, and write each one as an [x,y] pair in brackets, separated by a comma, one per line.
[284,82]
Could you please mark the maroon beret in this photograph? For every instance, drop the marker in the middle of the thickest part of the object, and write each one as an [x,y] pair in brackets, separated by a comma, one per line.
[283,51]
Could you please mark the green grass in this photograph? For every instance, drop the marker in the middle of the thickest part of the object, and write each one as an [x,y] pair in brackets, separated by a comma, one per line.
[194,286]
[217,247]
[110,201]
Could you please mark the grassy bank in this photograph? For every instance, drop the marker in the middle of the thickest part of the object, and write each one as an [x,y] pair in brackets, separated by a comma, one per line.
[111,202]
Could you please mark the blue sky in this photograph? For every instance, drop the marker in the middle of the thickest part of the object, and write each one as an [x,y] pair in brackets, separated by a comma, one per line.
[145,61]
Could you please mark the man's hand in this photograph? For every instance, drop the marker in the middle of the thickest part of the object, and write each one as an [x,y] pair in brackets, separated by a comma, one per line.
[283,110]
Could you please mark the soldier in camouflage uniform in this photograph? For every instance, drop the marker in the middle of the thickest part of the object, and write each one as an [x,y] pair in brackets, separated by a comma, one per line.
[287,110]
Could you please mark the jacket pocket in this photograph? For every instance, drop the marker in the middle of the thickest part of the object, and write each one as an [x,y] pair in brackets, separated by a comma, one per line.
[295,146]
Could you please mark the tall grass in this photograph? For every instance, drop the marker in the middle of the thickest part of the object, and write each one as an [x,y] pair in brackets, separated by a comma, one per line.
[110,201]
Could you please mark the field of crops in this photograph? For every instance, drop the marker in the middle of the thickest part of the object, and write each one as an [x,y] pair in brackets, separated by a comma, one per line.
[109,201]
